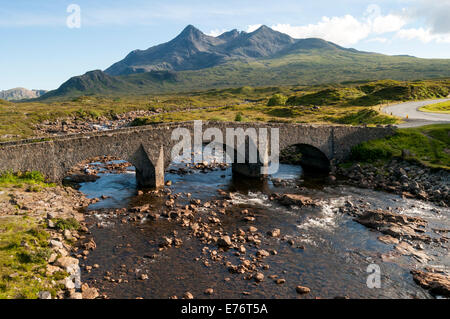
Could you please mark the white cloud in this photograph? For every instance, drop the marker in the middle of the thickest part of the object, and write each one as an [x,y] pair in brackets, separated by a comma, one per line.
[379,40]
[423,35]
[341,30]
[388,23]
[345,30]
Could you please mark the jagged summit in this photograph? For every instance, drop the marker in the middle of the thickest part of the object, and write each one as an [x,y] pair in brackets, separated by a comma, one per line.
[193,50]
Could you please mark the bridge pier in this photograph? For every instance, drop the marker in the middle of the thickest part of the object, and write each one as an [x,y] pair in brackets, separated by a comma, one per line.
[149,174]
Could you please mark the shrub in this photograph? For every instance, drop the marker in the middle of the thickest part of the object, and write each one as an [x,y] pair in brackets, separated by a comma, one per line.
[70,224]
[238,117]
[277,99]
[369,153]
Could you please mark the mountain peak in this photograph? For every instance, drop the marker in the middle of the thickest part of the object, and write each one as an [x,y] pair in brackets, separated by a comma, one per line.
[191,31]
[229,35]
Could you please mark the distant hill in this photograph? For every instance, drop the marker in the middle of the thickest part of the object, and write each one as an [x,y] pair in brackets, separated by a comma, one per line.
[20,94]
[196,61]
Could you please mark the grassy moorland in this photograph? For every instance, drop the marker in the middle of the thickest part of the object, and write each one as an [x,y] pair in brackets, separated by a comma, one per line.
[443,107]
[23,257]
[350,103]
[428,145]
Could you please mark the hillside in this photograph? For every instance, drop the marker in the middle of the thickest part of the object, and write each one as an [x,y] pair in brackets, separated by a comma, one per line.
[194,61]
[20,94]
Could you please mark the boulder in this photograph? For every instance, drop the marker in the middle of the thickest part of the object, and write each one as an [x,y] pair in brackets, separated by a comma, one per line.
[437,284]
[224,242]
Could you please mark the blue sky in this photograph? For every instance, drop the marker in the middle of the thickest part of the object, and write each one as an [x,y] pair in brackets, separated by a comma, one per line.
[39,51]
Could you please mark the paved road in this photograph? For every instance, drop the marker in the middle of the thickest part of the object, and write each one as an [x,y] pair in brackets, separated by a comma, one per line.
[416,117]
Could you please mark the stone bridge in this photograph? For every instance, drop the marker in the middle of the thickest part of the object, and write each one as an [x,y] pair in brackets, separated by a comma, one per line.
[148,148]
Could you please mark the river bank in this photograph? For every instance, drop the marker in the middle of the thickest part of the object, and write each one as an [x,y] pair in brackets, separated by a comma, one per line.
[40,228]
[409,180]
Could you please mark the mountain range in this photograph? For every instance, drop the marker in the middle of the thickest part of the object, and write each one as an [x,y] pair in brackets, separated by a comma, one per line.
[17,94]
[265,57]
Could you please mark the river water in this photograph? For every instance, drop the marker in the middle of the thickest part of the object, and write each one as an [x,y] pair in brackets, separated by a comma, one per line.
[331,253]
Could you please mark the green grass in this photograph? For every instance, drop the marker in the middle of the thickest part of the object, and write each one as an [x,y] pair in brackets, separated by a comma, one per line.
[365,116]
[373,93]
[69,223]
[428,145]
[443,107]
[23,255]
[34,180]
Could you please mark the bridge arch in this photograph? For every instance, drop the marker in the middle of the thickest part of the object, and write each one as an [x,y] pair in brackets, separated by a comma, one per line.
[306,155]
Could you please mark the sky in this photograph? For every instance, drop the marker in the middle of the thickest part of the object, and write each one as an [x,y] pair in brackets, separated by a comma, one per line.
[45,42]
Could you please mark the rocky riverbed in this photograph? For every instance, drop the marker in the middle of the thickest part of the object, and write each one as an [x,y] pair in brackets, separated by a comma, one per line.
[209,236]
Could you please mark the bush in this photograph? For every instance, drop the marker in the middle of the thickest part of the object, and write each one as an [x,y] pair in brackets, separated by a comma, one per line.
[369,153]
[238,117]
[277,99]
[70,224]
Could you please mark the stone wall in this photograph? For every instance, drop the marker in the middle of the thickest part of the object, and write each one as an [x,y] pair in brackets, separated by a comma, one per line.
[148,148]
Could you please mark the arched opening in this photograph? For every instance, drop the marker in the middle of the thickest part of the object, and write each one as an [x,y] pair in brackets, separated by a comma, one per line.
[309,157]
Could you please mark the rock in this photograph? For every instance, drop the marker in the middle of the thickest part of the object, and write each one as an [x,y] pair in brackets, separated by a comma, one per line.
[388,239]
[224,242]
[188,295]
[262,253]
[89,293]
[56,243]
[67,235]
[44,295]
[143,277]
[302,290]
[68,283]
[52,215]
[274,233]
[437,284]
[66,262]
[408,250]
[50,270]
[168,183]
[294,199]
[165,242]
[52,258]
[242,249]
[209,291]
[259,277]
[76,295]
[280,281]
[90,245]
[252,229]
[395,225]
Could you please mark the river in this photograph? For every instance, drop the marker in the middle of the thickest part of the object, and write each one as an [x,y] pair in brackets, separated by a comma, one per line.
[330,254]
